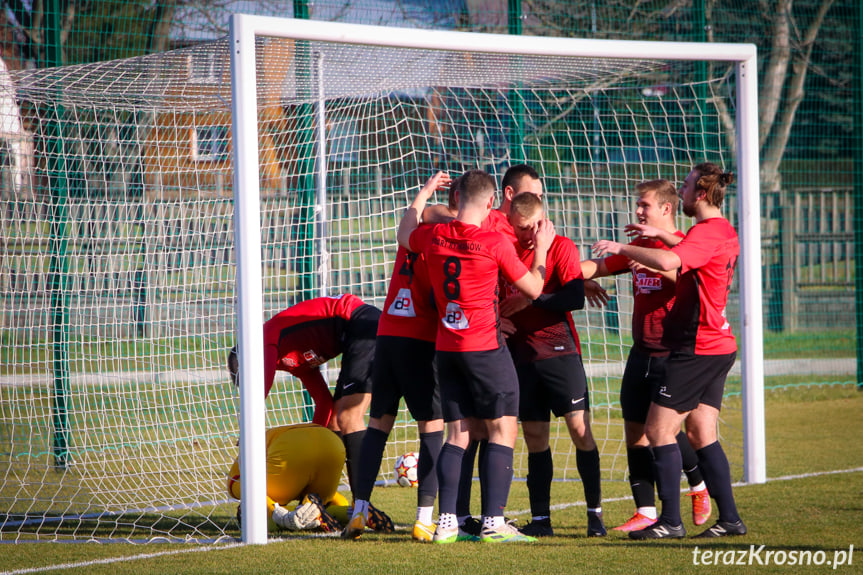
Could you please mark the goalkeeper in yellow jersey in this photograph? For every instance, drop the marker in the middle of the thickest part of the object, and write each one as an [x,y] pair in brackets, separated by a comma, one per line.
[304,464]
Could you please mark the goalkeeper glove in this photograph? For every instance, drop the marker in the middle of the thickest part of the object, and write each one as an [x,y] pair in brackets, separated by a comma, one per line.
[328,523]
[379,521]
[305,516]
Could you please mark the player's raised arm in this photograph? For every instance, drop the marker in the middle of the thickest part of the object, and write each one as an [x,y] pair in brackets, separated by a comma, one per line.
[411,218]
[437,214]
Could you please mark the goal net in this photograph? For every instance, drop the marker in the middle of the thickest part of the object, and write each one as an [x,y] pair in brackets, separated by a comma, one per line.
[118,420]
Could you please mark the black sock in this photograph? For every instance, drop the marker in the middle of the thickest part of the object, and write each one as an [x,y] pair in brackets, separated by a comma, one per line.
[371,453]
[717,476]
[353,446]
[430,446]
[495,475]
[465,481]
[448,474]
[482,453]
[540,470]
[690,460]
[587,463]
[666,470]
[640,461]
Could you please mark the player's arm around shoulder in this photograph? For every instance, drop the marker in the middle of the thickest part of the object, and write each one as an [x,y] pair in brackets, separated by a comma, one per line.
[411,218]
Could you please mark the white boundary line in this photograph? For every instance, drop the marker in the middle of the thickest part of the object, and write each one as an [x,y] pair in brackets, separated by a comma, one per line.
[220,547]
[121,559]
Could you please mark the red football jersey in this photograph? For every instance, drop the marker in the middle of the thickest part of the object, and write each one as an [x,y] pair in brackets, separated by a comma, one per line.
[408,309]
[301,338]
[463,264]
[498,222]
[542,333]
[653,297]
[697,321]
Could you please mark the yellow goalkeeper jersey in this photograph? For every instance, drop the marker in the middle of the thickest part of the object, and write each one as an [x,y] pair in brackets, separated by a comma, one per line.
[301,459]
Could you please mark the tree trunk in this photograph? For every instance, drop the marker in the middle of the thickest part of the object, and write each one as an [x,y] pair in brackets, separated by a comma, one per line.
[160,27]
[773,154]
[776,71]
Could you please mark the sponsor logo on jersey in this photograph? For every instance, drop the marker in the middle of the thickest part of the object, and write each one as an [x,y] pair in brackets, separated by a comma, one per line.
[455,317]
[403,305]
[725,324]
[647,283]
[312,358]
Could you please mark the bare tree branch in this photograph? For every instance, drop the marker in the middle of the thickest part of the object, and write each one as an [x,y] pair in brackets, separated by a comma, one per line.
[726,118]
[160,27]
[774,153]
[66,26]
[777,68]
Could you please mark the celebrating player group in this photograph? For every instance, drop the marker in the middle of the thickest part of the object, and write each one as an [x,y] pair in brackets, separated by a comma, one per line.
[476,334]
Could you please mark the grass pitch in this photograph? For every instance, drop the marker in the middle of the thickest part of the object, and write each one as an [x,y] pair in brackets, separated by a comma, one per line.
[811,504]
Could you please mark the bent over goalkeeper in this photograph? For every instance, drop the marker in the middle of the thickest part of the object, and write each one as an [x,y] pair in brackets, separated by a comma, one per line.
[304,463]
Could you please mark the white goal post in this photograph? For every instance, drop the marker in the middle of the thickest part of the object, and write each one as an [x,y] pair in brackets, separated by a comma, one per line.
[244,34]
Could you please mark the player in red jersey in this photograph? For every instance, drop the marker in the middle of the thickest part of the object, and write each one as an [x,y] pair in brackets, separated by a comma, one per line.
[703,350]
[404,367]
[477,378]
[518,179]
[653,293]
[547,355]
[306,335]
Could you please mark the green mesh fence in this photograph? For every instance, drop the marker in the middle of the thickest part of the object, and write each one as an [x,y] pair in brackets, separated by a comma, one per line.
[810,116]
[807,97]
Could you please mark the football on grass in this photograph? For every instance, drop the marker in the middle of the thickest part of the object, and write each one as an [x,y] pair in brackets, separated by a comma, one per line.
[406,469]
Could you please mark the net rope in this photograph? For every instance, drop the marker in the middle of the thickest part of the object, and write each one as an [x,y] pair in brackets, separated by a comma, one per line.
[117,285]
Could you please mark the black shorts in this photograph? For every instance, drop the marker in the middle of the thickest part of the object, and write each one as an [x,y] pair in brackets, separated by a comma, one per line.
[641,378]
[404,367]
[693,379]
[481,384]
[554,385]
[358,352]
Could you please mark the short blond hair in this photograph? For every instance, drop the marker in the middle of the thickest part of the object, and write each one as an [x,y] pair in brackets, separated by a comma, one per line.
[525,204]
[665,192]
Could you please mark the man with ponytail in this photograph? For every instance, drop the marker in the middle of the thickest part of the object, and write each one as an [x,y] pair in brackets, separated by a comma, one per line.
[703,350]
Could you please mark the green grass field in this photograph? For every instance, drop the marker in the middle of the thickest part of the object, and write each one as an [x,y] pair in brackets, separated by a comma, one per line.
[810,504]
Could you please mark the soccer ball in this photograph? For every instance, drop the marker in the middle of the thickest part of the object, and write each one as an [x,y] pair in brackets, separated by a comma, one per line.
[406,470]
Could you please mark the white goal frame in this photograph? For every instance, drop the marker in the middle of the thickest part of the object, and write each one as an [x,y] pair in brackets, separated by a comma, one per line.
[247,228]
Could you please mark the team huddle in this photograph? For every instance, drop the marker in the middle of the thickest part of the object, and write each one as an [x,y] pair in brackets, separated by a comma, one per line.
[476,334]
